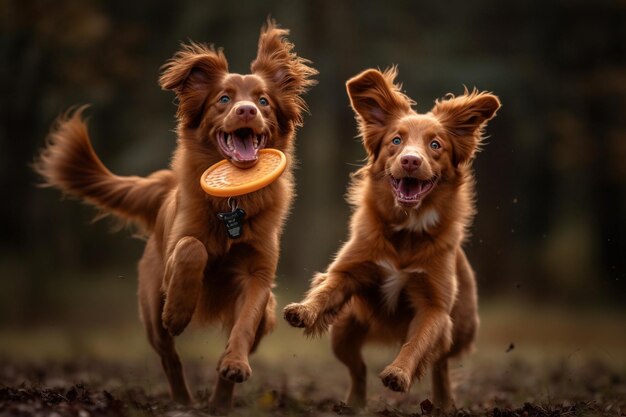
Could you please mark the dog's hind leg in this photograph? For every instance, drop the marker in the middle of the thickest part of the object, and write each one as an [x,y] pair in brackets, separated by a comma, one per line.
[442,392]
[184,273]
[151,307]
[465,310]
[267,324]
[163,343]
[465,325]
[222,397]
[347,336]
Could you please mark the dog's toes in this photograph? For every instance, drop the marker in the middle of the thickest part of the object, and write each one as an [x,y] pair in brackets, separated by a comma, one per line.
[234,370]
[299,315]
[294,319]
[395,378]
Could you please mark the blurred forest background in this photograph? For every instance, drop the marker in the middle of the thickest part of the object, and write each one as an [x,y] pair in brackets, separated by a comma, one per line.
[551,224]
[548,244]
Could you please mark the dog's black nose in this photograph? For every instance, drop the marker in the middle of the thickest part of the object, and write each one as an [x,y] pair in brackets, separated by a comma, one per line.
[410,162]
[246,111]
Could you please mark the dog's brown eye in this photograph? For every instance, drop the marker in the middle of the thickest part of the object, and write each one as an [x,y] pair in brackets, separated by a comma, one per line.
[263,101]
[434,144]
[397,140]
[224,99]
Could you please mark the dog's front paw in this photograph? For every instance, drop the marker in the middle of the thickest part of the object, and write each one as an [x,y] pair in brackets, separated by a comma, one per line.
[175,321]
[396,378]
[234,370]
[299,315]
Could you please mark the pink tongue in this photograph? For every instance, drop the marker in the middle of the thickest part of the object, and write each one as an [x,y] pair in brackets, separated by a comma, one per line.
[244,148]
[410,187]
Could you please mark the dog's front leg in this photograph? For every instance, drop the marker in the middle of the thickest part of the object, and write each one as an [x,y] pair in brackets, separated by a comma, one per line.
[330,291]
[328,294]
[182,284]
[233,365]
[430,332]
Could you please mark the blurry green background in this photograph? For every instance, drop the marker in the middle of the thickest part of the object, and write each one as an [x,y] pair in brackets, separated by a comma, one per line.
[551,226]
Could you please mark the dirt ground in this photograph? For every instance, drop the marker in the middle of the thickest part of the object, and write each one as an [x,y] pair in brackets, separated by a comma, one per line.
[523,366]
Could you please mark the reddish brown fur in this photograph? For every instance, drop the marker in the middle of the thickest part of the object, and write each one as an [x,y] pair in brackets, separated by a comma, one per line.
[403,276]
[190,268]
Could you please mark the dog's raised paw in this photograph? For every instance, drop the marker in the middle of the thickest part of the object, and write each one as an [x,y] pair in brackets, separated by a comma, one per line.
[234,370]
[175,323]
[395,378]
[299,315]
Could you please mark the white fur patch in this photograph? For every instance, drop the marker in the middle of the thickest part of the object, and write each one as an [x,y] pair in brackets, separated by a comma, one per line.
[391,289]
[420,221]
[394,281]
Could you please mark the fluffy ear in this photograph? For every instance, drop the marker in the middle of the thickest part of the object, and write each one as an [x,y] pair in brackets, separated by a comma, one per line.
[288,75]
[192,73]
[464,118]
[376,99]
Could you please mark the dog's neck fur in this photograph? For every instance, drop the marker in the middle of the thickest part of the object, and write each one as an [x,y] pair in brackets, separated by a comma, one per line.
[437,219]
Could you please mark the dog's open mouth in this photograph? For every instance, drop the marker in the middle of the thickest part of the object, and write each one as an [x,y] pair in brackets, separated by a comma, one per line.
[411,191]
[241,146]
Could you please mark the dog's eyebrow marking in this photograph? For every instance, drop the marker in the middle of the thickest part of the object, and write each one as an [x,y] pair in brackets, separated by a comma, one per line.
[420,221]
[394,281]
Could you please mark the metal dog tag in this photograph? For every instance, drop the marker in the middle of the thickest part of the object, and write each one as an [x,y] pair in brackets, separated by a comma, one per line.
[233,220]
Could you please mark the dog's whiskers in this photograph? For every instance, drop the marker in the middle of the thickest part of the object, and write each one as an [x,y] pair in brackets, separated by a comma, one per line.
[271,123]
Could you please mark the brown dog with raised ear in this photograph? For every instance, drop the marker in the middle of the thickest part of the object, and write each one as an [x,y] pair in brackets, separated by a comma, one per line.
[403,275]
[190,267]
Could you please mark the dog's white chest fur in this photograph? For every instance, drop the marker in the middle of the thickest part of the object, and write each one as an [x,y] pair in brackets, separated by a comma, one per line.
[419,221]
[394,280]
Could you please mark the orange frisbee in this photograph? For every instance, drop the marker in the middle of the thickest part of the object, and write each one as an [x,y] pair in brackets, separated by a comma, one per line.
[226,180]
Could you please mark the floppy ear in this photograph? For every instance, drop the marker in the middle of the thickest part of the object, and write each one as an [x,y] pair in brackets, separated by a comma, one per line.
[192,73]
[464,118]
[288,75]
[376,99]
